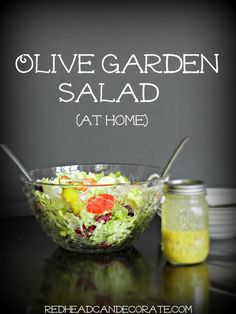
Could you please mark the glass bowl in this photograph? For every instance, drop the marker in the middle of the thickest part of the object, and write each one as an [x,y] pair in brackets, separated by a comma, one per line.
[84,216]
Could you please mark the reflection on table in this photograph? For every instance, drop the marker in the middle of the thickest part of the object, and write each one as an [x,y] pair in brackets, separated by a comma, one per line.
[71,278]
[185,285]
[125,278]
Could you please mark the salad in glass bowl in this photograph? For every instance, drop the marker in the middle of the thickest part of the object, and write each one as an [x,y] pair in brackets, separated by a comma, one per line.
[94,208]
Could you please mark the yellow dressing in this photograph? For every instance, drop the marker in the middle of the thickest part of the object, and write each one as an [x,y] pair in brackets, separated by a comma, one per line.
[185,247]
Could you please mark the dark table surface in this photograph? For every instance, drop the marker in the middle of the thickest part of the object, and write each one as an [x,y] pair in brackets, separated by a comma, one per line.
[35,273]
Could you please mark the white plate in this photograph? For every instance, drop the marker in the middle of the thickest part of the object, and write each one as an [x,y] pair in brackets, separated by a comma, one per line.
[222,215]
[222,218]
[222,231]
[224,223]
[221,236]
[217,196]
[225,216]
[222,210]
[223,226]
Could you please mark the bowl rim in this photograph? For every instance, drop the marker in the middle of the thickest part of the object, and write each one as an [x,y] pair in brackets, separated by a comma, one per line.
[23,179]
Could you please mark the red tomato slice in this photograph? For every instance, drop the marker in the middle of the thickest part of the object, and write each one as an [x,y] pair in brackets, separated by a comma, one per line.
[99,204]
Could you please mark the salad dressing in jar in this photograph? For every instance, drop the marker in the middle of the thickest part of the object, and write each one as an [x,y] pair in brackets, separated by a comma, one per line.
[185,233]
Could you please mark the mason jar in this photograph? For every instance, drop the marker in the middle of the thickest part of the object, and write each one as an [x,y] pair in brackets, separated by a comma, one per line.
[185,231]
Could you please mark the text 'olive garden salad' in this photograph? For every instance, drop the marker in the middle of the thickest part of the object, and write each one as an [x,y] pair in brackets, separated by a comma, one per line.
[93,211]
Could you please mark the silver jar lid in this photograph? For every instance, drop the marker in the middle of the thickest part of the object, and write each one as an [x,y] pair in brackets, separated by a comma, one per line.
[185,187]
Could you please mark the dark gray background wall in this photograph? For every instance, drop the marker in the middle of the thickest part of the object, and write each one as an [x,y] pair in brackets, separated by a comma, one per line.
[42,131]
